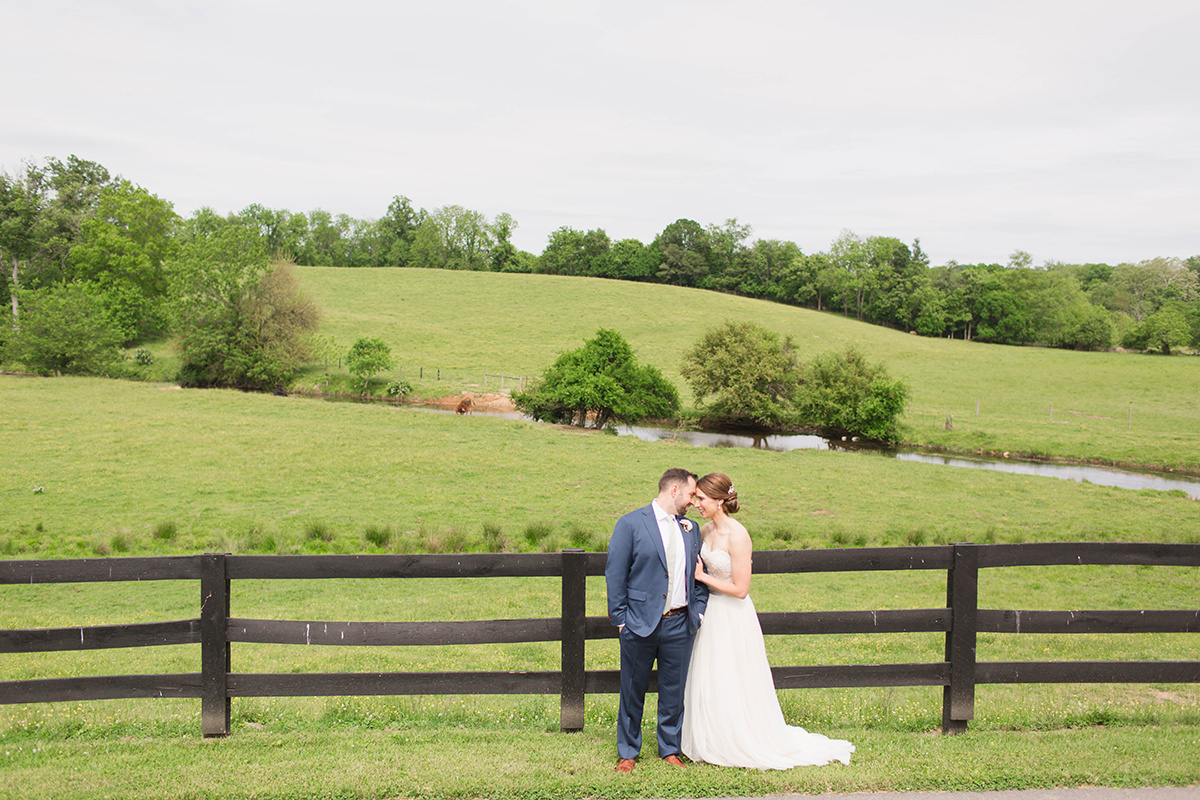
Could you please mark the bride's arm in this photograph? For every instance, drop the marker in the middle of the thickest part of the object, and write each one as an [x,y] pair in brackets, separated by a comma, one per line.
[740,551]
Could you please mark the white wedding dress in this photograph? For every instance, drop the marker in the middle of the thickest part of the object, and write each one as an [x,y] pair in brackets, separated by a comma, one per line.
[731,715]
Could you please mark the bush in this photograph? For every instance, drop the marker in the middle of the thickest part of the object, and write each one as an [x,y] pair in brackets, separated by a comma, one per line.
[600,381]
[399,389]
[843,394]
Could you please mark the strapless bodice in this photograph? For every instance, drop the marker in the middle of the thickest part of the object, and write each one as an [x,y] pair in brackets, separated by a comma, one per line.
[718,562]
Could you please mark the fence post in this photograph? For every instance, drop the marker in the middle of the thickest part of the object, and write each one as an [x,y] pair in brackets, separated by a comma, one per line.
[214,645]
[574,631]
[962,598]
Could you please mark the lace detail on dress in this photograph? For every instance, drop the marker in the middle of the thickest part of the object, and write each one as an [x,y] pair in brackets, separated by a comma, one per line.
[718,562]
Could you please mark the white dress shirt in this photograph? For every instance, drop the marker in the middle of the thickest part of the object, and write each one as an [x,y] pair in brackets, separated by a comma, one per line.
[669,526]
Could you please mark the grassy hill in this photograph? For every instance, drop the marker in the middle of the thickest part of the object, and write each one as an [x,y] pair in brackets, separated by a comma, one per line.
[95,467]
[1105,407]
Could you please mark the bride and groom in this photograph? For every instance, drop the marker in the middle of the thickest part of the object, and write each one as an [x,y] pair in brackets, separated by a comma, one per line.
[678,595]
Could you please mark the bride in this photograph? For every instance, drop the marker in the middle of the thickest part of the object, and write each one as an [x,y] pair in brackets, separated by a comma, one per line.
[731,713]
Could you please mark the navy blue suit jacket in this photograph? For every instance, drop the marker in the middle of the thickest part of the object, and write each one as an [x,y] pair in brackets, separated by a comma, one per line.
[636,573]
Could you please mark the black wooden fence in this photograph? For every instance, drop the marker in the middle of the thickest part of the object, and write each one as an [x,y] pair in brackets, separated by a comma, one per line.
[216,684]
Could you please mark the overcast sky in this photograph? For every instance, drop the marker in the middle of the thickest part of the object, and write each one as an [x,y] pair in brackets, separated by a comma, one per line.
[1068,129]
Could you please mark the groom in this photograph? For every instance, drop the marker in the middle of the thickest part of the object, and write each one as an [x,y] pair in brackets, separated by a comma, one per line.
[656,604]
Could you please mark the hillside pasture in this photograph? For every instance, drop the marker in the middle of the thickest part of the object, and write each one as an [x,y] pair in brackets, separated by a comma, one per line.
[1118,408]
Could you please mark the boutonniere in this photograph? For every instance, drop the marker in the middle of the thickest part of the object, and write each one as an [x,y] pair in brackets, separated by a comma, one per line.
[686,524]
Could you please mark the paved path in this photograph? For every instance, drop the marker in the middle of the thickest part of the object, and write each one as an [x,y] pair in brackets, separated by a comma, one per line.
[1087,793]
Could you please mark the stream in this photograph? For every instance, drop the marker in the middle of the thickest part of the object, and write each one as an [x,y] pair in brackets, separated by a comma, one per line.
[1102,476]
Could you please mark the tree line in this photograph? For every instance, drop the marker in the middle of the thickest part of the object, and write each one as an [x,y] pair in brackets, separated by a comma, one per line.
[128,256]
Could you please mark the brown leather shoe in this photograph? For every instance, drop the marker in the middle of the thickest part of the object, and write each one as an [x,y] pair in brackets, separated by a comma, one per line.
[674,761]
[625,765]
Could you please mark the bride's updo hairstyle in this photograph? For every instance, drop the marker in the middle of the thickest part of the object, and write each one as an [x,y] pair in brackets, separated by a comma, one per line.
[719,487]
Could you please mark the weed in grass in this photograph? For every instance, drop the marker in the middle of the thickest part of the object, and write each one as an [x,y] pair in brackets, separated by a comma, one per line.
[407,541]
[578,537]
[838,538]
[432,541]
[39,528]
[378,535]
[784,533]
[120,542]
[551,544]
[166,530]
[915,538]
[494,540]
[536,532]
[319,532]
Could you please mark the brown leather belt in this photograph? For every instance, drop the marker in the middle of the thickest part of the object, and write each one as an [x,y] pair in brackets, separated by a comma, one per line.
[675,611]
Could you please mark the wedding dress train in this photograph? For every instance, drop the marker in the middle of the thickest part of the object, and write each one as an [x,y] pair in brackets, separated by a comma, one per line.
[731,712]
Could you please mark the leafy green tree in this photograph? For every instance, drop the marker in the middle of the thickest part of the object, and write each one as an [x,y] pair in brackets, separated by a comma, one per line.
[684,249]
[367,357]
[65,329]
[1148,285]
[573,252]
[122,248]
[630,260]
[503,256]
[601,381]
[239,319]
[452,237]
[843,394]
[743,373]
[1092,331]
[77,186]
[1163,330]
[728,257]
[22,200]
[400,229]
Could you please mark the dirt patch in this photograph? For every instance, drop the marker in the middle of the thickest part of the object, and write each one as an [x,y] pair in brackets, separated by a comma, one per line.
[480,401]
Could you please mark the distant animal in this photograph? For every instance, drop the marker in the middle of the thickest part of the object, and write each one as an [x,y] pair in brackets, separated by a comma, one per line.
[464,406]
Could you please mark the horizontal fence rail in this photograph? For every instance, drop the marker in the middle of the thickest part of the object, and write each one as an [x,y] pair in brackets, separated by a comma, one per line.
[960,620]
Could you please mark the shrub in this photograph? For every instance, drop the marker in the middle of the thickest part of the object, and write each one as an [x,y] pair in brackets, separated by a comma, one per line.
[843,394]
[399,389]
[600,381]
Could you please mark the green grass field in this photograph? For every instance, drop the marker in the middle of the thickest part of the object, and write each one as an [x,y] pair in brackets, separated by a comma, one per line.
[142,468]
[1109,407]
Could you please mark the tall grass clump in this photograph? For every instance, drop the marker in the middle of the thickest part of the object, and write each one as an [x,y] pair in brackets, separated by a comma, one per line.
[537,533]
[378,535]
[166,531]
[494,540]
[317,531]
